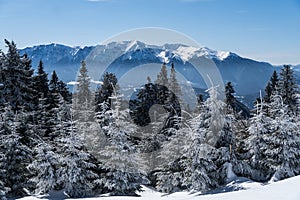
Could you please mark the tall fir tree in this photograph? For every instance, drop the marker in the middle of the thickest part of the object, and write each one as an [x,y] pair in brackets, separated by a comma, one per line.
[122,160]
[18,89]
[288,88]
[102,100]
[272,87]
[83,92]
[282,154]
[41,81]
[162,77]
[77,171]
[259,128]
[174,86]
[109,81]
[17,153]
[229,98]
[175,102]
[45,162]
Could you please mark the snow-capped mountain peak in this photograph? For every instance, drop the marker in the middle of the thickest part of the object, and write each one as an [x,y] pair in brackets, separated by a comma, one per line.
[125,55]
[186,53]
[134,45]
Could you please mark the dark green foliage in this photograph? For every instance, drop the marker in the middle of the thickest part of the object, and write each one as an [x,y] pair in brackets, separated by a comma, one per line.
[40,81]
[272,87]
[233,105]
[83,92]
[18,90]
[229,91]
[102,101]
[288,88]
[106,89]
[15,145]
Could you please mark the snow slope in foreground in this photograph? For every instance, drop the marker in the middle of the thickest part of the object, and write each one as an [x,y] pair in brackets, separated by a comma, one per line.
[288,189]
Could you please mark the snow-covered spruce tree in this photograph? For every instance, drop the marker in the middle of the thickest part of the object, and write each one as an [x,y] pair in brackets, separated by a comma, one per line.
[288,88]
[40,81]
[83,92]
[175,102]
[45,162]
[171,165]
[83,106]
[200,160]
[229,98]
[17,154]
[231,146]
[57,86]
[272,87]
[282,155]
[18,89]
[54,102]
[121,158]
[174,85]
[7,117]
[259,128]
[75,173]
[41,117]
[197,162]
[102,100]
[162,83]
[162,77]
[3,189]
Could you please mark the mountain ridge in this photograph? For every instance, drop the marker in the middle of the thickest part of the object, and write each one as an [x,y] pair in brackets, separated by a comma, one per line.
[247,75]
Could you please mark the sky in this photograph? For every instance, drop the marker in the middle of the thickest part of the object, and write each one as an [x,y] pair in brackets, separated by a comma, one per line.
[264,30]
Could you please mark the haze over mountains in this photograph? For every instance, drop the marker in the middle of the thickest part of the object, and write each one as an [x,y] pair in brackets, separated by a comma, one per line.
[248,76]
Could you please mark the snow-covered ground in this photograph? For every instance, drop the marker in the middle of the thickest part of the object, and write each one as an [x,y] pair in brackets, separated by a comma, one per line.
[288,189]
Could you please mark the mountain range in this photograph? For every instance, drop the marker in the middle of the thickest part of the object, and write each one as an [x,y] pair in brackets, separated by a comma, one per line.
[123,58]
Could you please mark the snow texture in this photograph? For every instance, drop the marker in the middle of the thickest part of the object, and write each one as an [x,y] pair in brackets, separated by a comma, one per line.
[287,189]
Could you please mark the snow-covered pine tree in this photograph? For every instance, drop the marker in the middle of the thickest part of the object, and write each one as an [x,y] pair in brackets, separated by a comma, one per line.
[282,155]
[56,87]
[109,81]
[18,89]
[272,87]
[54,103]
[17,155]
[44,165]
[40,81]
[172,162]
[7,117]
[83,92]
[259,128]
[206,131]
[3,189]
[53,91]
[83,106]
[162,83]
[102,100]
[162,77]
[121,158]
[41,118]
[174,86]
[197,163]
[288,88]
[229,98]
[75,172]
[175,104]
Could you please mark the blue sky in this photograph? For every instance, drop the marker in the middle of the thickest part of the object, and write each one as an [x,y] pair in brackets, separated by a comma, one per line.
[265,30]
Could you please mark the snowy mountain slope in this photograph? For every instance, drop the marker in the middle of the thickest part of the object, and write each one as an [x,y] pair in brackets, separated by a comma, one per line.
[287,189]
[248,76]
